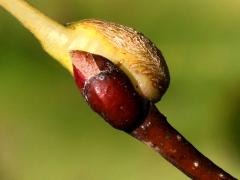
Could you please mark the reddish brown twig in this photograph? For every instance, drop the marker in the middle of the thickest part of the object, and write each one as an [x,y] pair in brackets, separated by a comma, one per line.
[157,133]
[110,93]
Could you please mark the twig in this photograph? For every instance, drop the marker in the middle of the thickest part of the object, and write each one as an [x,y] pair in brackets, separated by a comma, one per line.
[157,133]
[110,93]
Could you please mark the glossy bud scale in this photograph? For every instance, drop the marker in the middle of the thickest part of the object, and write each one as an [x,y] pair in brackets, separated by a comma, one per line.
[108,91]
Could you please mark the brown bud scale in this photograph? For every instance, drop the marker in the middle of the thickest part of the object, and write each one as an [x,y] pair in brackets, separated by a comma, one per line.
[108,91]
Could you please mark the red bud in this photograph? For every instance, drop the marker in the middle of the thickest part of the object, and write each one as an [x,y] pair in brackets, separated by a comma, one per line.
[108,91]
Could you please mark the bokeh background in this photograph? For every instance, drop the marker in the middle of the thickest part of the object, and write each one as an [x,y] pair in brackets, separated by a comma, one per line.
[47,131]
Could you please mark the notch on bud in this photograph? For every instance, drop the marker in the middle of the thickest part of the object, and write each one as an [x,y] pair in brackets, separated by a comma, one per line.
[108,91]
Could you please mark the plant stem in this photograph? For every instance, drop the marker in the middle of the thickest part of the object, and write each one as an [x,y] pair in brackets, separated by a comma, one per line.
[157,133]
[53,36]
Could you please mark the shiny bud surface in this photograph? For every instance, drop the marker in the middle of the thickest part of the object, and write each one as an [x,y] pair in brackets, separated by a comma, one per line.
[108,91]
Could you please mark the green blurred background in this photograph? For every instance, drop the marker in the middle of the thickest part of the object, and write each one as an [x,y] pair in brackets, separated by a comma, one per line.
[47,132]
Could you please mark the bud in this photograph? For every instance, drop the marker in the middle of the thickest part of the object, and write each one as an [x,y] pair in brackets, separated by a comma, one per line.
[108,91]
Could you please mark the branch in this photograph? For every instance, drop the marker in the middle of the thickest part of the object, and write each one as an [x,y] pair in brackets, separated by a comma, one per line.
[110,93]
[122,96]
[157,133]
